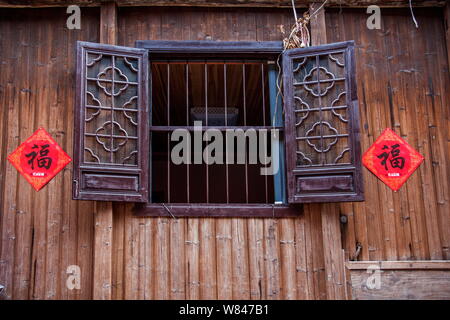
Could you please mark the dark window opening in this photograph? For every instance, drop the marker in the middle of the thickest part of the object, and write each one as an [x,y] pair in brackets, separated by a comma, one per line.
[130,100]
[221,95]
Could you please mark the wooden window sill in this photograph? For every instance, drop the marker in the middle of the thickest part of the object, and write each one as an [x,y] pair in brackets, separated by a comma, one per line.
[182,210]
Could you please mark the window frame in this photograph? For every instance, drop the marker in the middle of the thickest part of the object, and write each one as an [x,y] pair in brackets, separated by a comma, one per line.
[160,49]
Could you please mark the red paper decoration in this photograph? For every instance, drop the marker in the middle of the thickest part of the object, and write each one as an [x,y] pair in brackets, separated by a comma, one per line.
[392,159]
[39,159]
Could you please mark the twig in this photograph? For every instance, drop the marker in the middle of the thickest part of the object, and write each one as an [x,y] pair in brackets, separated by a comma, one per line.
[412,14]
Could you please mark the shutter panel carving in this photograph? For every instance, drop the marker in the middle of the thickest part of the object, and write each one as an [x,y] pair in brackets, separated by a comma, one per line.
[322,124]
[111,115]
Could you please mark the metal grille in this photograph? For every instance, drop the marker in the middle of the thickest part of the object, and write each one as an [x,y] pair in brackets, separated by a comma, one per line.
[111,112]
[321,110]
[217,93]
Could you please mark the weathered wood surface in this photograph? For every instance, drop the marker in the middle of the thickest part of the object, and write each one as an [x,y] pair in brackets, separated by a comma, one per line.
[403,82]
[403,79]
[400,280]
[103,215]
[220,3]
[330,226]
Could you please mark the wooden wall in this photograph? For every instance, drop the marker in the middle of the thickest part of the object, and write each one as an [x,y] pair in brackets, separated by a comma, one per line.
[41,233]
[403,83]
[403,78]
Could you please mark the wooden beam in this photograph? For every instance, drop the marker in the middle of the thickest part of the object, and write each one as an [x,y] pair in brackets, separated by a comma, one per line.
[400,265]
[447,30]
[220,3]
[401,285]
[103,236]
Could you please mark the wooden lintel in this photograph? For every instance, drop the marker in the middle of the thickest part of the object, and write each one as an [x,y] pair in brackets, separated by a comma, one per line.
[220,3]
[400,265]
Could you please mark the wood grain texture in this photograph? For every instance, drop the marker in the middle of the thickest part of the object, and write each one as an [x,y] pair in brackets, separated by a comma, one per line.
[43,233]
[402,285]
[217,3]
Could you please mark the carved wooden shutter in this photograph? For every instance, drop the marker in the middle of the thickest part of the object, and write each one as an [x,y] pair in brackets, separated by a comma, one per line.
[110,133]
[322,124]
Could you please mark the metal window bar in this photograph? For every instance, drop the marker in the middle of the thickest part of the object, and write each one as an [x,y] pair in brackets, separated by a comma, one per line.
[170,128]
[279,179]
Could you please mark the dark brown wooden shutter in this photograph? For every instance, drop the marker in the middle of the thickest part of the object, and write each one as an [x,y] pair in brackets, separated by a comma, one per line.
[322,124]
[111,129]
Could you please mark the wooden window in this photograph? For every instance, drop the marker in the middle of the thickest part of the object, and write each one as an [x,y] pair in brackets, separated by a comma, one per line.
[222,95]
[322,124]
[226,86]
[125,115]
[111,114]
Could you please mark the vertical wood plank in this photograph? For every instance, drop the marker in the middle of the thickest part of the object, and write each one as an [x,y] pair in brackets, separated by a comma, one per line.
[272,259]
[108,22]
[103,251]
[447,30]
[103,238]
[317,24]
[423,125]
[303,284]
[117,291]
[256,259]
[332,242]
[131,252]
[52,191]
[224,264]
[443,167]
[85,209]
[192,244]
[161,262]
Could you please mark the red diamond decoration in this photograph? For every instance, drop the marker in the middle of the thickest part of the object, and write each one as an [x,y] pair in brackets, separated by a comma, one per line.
[39,159]
[392,159]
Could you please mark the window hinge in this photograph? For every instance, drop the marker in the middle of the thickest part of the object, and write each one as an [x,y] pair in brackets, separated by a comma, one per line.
[76,186]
